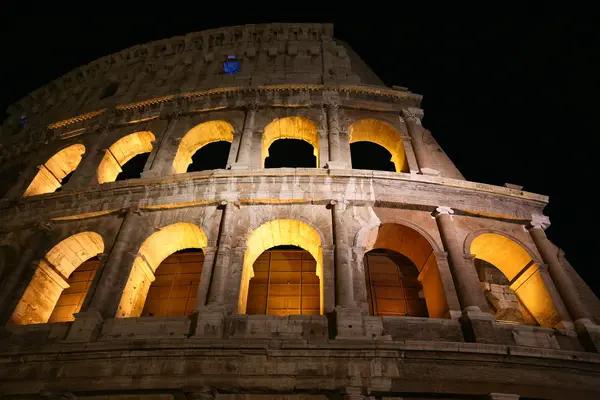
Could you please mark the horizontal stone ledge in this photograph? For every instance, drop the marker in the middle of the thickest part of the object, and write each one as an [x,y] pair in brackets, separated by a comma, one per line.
[283,348]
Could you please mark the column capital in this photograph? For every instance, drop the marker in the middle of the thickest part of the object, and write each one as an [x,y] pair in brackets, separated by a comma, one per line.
[332,105]
[539,221]
[45,226]
[251,106]
[442,210]
[412,113]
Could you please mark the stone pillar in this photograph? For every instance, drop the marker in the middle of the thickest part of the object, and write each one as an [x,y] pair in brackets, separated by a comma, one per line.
[348,316]
[413,165]
[333,124]
[243,159]
[205,278]
[108,292]
[588,332]
[211,314]
[412,118]
[476,320]
[216,296]
[153,167]
[343,269]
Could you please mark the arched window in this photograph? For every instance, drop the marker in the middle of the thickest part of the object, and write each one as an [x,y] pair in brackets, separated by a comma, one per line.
[290,128]
[291,153]
[282,280]
[52,173]
[212,156]
[134,149]
[61,281]
[144,273]
[285,282]
[502,300]
[173,292]
[197,139]
[367,155]
[524,280]
[393,287]
[382,134]
[401,272]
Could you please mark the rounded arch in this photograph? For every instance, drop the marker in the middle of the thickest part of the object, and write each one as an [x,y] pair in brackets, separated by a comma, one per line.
[122,151]
[198,137]
[153,251]
[419,247]
[383,134]
[290,128]
[521,270]
[274,233]
[50,278]
[52,173]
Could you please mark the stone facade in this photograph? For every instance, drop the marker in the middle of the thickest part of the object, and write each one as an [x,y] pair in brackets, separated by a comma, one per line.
[317,90]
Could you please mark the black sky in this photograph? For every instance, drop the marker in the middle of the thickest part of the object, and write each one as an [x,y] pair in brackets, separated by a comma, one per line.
[510,92]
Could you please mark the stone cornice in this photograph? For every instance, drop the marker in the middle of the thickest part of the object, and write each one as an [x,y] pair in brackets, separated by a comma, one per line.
[396,190]
[357,89]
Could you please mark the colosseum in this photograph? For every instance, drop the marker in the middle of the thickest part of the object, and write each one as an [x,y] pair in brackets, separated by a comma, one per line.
[159,240]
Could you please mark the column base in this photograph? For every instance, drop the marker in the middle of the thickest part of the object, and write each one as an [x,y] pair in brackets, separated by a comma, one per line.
[86,327]
[350,324]
[477,326]
[238,166]
[589,334]
[210,323]
[150,174]
[336,165]
[430,171]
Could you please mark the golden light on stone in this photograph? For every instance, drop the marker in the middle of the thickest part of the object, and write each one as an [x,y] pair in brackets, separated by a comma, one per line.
[383,134]
[290,128]
[122,151]
[153,251]
[52,172]
[50,278]
[518,267]
[277,233]
[410,243]
[198,137]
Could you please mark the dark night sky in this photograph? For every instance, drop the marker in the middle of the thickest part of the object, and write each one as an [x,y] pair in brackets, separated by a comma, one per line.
[509,92]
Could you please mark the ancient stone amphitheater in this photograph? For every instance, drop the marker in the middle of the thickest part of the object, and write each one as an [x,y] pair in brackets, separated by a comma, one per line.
[158,242]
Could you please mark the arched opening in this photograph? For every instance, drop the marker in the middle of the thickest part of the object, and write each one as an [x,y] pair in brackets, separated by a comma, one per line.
[291,153]
[285,282]
[382,134]
[523,279]
[61,281]
[402,267]
[393,287]
[367,155]
[152,253]
[299,128]
[196,139]
[212,156]
[173,292]
[51,175]
[134,149]
[289,280]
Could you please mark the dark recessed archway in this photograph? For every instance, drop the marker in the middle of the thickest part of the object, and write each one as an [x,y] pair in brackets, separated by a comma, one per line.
[368,155]
[133,168]
[211,156]
[291,153]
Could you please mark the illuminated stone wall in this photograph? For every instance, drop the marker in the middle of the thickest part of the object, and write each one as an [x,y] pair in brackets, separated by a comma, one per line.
[296,81]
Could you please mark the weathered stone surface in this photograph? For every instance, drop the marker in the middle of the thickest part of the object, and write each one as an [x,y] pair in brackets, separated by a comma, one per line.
[170,99]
